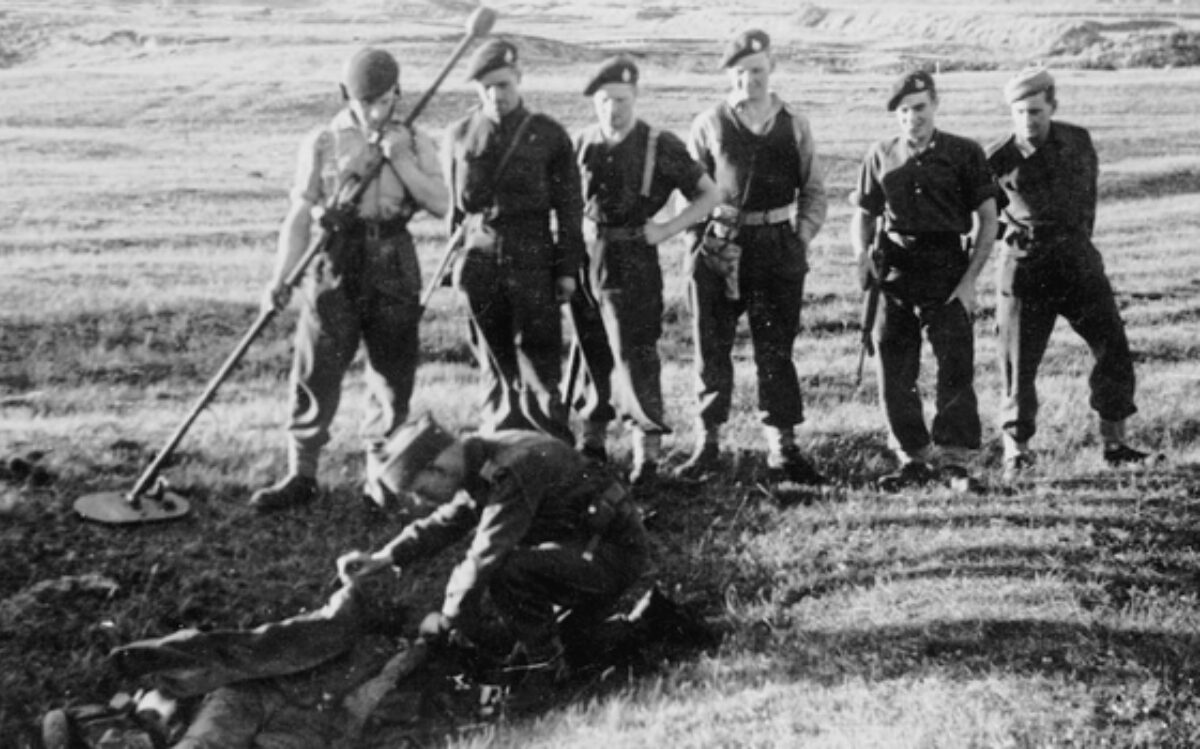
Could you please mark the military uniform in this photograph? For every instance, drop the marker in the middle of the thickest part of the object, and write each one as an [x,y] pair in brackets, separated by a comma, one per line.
[927,201]
[547,530]
[773,178]
[1050,268]
[515,329]
[366,287]
[624,271]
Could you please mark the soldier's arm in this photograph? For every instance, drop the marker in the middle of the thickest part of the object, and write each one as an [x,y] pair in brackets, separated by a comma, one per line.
[415,159]
[1090,163]
[454,213]
[505,520]
[812,205]
[862,236]
[296,230]
[566,200]
[426,537]
[676,167]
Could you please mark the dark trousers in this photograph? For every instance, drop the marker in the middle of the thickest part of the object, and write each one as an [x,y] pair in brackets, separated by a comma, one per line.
[913,302]
[534,580]
[1069,281]
[771,282]
[619,324]
[376,304]
[516,333]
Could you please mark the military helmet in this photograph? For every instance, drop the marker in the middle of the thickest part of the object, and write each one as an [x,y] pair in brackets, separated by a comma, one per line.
[369,74]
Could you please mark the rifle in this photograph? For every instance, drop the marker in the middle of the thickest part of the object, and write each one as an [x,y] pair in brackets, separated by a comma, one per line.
[870,307]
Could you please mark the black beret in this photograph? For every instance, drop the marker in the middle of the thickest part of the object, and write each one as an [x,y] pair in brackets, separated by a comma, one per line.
[744,44]
[619,69]
[493,55]
[910,83]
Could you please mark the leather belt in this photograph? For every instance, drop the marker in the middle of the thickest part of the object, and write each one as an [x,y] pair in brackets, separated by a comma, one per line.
[616,233]
[377,230]
[766,218]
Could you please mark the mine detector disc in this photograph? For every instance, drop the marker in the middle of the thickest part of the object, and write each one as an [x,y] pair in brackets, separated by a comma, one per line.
[115,508]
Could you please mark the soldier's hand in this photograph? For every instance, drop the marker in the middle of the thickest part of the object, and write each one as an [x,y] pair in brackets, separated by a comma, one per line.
[654,233]
[965,294]
[397,144]
[866,270]
[276,297]
[355,565]
[564,288]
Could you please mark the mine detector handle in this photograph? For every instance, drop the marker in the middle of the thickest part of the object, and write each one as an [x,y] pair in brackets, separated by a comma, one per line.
[479,24]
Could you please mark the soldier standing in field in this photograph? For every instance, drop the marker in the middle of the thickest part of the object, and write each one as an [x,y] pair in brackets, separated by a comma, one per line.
[931,188]
[511,171]
[366,285]
[1049,267]
[629,170]
[760,153]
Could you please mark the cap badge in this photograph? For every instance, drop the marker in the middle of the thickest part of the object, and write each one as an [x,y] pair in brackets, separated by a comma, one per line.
[919,84]
[756,45]
[626,75]
[508,56]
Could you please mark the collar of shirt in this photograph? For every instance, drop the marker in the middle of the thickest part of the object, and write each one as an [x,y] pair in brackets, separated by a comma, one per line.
[911,152]
[741,108]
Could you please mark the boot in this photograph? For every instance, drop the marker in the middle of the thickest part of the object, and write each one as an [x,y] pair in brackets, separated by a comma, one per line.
[785,462]
[704,459]
[646,450]
[591,446]
[1116,452]
[912,474]
[293,491]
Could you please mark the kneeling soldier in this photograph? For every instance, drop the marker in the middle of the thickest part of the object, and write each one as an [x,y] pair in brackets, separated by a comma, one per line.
[549,530]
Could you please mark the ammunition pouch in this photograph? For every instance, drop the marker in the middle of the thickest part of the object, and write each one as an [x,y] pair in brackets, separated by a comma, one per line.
[720,253]
[479,236]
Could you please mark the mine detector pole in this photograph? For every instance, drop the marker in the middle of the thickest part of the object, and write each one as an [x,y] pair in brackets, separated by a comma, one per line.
[149,500]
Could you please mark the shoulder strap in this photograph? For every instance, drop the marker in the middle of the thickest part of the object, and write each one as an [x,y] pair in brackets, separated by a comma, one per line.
[512,148]
[648,168]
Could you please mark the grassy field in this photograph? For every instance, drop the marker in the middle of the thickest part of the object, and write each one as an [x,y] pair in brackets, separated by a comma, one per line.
[147,154]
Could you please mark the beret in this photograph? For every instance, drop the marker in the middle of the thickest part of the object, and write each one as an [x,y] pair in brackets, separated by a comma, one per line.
[743,45]
[619,69]
[911,82]
[412,447]
[1028,82]
[493,55]
[370,73]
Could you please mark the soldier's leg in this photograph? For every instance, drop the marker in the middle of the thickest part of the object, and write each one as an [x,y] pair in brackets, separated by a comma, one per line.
[1024,326]
[951,335]
[595,403]
[898,360]
[490,330]
[537,327]
[714,325]
[633,319]
[1092,311]
[533,581]
[774,312]
[327,337]
[391,317]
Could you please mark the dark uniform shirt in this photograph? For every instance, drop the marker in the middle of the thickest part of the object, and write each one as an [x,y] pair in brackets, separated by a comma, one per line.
[613,175]
[936,190]
[541,176]
[1055,186]
[786,168]
[523,488]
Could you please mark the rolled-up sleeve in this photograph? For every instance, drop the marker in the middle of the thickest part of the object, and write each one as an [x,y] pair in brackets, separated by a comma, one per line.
[306,186]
